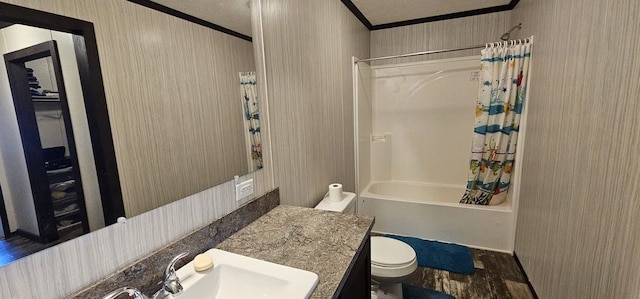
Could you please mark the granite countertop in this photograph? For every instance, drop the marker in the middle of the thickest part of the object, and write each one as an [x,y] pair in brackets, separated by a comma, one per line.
[322,242]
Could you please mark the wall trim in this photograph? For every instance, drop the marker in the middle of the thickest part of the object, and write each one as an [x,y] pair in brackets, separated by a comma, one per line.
[356,12]
[5,24]
[190,18]
[533,291]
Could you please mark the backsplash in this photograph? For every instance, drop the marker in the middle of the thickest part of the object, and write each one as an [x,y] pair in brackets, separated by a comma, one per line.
[64,269]
[147,273]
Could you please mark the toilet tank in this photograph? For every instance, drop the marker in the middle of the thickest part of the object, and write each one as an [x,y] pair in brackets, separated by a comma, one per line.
[347,205]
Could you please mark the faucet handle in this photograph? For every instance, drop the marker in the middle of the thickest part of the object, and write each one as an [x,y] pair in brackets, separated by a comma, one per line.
[171,282]
[132,292]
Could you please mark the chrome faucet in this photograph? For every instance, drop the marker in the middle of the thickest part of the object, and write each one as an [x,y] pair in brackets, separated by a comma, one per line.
[171,285]
[132,292]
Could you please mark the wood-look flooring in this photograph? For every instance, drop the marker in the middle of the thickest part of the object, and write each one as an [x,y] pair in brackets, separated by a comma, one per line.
[497,276]
[16,246]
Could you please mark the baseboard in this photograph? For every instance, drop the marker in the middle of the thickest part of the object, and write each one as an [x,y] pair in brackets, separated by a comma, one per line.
[533,291]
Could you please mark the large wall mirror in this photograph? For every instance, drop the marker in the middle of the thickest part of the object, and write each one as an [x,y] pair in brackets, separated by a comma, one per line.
[86,138]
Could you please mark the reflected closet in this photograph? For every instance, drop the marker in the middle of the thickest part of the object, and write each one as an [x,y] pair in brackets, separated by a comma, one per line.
[42,111]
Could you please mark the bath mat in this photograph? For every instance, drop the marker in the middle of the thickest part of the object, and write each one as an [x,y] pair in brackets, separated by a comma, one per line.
[443,256]
[413,292]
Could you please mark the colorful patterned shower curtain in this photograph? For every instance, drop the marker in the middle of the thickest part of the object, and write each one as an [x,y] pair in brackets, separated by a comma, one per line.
[502,89]
[251,113]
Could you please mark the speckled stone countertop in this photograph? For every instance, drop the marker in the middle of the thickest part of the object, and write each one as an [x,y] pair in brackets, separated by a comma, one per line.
[318,241]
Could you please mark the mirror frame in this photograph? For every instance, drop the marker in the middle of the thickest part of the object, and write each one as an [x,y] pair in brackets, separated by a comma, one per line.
[86,48]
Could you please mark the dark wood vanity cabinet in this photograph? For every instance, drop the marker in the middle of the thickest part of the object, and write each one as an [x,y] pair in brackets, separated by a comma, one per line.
[358,281]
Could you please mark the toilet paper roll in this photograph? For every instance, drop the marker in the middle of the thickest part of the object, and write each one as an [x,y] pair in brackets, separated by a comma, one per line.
[335,192]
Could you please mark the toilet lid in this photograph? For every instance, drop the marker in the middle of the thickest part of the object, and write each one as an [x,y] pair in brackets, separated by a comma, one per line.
[388,252]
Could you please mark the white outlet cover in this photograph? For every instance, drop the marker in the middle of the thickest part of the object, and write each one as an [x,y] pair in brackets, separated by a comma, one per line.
[244,190]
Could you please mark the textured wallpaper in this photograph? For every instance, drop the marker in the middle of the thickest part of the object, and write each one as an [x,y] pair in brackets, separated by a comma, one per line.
[309,45]
[578,232]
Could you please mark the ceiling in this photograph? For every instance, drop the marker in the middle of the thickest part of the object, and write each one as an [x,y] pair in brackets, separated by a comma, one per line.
[235,15]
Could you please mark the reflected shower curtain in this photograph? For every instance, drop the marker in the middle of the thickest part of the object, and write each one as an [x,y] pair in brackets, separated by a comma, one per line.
[501,94]
[251,113]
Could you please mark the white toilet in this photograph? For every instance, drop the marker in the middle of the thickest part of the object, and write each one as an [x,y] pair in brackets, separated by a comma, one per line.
[392,261]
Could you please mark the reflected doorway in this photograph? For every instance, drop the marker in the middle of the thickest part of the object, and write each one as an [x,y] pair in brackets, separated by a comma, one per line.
[77,46]
[42,111]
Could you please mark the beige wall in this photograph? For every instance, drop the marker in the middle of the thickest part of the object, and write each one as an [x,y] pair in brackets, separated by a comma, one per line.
[578,232]
[461,32]
[161,44]
[309,45]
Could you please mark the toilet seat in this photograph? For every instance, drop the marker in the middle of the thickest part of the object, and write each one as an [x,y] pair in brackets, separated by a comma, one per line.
[391,258]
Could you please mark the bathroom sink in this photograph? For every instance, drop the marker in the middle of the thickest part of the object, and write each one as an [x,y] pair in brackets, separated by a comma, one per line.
[240,277]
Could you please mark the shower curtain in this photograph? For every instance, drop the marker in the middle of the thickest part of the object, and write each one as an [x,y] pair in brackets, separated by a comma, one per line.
[501,94]
[251,113]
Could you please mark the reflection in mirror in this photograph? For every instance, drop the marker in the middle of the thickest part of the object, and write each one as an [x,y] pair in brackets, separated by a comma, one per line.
[60,187]
[91,176]
[251,120]
[50,177]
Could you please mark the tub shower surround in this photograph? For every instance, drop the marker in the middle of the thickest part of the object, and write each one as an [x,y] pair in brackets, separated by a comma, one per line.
[414,125]
[433,212]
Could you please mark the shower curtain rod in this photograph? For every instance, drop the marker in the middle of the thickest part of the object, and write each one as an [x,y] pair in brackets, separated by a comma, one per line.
[438,51]
[422,53]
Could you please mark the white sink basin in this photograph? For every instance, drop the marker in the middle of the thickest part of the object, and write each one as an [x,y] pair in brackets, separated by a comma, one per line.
[236,276]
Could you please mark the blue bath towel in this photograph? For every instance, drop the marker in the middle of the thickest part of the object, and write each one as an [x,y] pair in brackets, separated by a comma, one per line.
[443,256]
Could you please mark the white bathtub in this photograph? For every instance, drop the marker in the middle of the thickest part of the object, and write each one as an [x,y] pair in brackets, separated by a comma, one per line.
[432,212]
